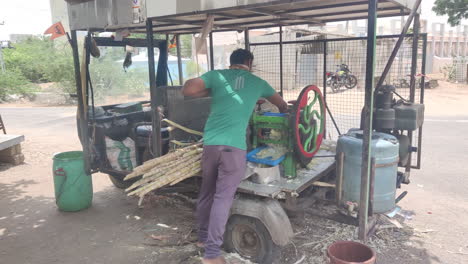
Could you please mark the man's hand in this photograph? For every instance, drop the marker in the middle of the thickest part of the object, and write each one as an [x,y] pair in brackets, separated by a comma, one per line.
[277,100]
[195,88]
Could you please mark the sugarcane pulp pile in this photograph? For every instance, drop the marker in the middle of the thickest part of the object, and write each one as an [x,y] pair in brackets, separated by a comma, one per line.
[169,169]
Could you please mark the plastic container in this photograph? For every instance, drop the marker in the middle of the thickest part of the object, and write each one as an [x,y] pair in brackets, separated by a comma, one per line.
[408,116]
[73,187]
[385,150]
[267,161]
[263,175]
[350,252]
[274,114]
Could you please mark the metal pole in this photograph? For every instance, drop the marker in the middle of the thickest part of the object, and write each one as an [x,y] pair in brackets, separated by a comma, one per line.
[333,119]
[399,42]
[153,93]
[414,58]
[82,121]
[324,76]
[421,97]
[211,52]
[423,68]
[339,177]
[371,188]
[414,64]
[281,58]
[247,39]
[367,122]
[179,60]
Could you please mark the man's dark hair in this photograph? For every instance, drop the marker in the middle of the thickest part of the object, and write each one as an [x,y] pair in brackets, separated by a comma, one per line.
[240,56]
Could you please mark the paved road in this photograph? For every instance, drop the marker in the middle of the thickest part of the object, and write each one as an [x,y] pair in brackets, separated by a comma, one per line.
[33,231]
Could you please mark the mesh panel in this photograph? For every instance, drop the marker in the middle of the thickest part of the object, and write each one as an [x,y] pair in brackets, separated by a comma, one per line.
[303,64]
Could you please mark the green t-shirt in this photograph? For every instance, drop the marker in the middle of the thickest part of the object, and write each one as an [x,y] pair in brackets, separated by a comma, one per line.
[234,96]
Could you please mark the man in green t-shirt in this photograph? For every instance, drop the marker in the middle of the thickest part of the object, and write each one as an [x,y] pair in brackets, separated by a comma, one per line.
[234,95]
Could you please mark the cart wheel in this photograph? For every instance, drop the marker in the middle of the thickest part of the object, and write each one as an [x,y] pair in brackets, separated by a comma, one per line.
[249,238]
[119,182]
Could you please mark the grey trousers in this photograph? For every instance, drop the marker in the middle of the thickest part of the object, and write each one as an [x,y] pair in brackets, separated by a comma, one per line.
[223,169]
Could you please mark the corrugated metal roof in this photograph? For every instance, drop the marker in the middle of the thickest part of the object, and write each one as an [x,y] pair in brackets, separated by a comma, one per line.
[249,14]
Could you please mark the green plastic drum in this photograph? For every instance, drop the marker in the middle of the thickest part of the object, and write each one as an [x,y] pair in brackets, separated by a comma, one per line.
[73,187]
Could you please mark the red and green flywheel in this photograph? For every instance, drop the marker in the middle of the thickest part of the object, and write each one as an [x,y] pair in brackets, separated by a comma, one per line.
[308,123]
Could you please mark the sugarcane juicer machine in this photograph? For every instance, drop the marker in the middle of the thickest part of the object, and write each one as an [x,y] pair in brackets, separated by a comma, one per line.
[300,131]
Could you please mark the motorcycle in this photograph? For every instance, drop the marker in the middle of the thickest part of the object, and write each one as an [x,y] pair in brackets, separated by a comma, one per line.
[342,77]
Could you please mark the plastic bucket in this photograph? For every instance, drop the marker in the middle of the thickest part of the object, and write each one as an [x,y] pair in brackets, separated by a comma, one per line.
[73,187]
[350,252]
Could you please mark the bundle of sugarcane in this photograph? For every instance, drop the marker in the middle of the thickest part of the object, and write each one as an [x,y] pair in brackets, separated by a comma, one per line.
[169,169]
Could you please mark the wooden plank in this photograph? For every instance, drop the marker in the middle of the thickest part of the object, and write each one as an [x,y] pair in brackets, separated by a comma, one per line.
[7,141]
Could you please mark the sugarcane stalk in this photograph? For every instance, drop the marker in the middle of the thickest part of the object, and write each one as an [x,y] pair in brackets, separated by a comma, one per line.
[173,163]
[175,167]
[192,173]
[157,181]
[163,181]
[148,165]
[169,156]
[193,170]
[163,171]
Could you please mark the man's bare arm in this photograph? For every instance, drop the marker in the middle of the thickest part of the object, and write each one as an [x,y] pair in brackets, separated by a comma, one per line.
[277,100]
[195,88]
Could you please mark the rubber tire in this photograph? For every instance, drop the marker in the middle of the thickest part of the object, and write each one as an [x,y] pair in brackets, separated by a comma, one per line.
[335,86]
[268,252]
[120,183]
[354,82]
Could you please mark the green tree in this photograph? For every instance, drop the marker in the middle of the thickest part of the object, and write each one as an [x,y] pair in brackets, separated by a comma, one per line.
[13,82]
[39,60]
[455,9]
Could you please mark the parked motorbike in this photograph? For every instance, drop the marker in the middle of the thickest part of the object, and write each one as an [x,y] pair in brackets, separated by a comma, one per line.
[341,78]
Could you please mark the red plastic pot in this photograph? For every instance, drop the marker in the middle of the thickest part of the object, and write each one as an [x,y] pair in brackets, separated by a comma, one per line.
[350,252]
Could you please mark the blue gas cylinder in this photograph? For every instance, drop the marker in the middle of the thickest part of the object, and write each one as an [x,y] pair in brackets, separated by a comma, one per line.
[385,150]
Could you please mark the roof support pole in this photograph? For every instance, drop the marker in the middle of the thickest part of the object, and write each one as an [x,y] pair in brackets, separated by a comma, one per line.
[414,65]
[324,76]
[367,118]
[399,42]
[211,52]
[82,121]
[281,58]
[247,39]
[179,60]
[421,97]
[155,118]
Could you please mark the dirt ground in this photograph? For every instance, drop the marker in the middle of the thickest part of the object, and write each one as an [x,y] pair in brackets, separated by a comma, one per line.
[115,230]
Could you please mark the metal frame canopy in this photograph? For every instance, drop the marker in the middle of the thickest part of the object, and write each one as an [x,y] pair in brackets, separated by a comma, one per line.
[189,16]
